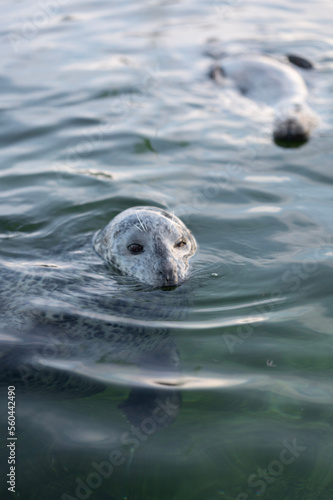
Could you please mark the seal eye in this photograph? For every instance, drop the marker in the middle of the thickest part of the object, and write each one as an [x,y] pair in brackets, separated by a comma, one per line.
[135,248]
[180,244]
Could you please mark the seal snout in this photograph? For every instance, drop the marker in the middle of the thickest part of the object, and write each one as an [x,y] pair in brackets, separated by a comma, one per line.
[291,132]
[169,275]
[293,124]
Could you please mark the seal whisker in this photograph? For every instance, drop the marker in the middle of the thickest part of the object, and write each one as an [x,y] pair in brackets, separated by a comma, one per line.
[204,269]
[141,224]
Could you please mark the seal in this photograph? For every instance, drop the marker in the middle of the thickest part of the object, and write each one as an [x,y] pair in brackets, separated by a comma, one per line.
[67,333]
[278,85]
[149,244]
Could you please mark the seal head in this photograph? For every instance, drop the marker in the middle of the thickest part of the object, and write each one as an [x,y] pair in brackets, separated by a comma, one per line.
[293,123]
[149,244]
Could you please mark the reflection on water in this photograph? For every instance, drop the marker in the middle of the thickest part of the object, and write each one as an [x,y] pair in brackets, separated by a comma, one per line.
[220,388]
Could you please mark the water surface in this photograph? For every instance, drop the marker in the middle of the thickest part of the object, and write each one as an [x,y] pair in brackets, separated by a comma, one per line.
[106,106]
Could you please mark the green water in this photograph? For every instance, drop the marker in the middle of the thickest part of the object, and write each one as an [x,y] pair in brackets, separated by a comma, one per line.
[105,106]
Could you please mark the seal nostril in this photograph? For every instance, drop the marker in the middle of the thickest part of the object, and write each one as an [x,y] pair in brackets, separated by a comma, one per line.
[169,275]
[166,276]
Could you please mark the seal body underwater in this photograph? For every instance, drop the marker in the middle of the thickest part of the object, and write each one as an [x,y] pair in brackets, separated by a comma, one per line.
[277,84]
[57,343]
